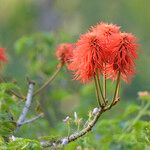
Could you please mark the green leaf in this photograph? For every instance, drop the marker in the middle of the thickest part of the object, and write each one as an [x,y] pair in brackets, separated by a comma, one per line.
[8,86]
[24,144]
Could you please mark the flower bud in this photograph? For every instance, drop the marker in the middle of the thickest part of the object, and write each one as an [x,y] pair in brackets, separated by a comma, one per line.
[75,116]
[66,119]
[95,111]
[13,138]
[64,142]
[143,94]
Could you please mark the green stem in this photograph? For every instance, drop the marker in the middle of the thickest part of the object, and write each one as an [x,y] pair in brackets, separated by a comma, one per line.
[104,82]
[49,80]
[20,96]
[140,114]
[99,88]
[116,89]
[97,93]
[68,124]
[78,128]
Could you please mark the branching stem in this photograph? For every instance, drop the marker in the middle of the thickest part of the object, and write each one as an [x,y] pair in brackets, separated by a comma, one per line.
[41,88]
[79,134]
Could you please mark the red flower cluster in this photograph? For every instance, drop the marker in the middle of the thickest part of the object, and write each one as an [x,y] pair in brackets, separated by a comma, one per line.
[3,57]
[64,52]
[88,57]
[123,54]
[104,49]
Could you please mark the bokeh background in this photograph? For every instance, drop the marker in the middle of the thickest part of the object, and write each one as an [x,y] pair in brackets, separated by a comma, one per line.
[30,31]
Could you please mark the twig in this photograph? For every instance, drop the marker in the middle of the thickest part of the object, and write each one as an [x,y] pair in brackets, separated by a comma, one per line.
[77,135]
[27,104]
[42,87]
[12,91]
[32,119]
[16,94]
[49,80]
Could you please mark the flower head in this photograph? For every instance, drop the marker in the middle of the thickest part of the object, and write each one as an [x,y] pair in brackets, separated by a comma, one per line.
[123,54]
[104,50]
[143,94]
[3,57]
[64,52]
[104,29]
[87,57]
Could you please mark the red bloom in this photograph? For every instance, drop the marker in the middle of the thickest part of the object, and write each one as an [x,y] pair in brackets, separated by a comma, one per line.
[87,57]
[3,57]
[106,50]
[64,52]
[106,31]
[123,54]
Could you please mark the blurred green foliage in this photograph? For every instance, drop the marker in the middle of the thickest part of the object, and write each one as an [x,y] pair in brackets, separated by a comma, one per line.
[31,49]
[129,130]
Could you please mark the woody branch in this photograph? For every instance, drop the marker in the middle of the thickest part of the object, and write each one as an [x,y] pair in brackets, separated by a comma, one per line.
[65,140]
[27,104]
[91,124]
[22,119]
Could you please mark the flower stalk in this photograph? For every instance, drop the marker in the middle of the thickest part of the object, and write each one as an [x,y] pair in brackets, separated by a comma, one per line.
[104,82]
[97,92]
[116,89]
[49,80]
[100,89]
